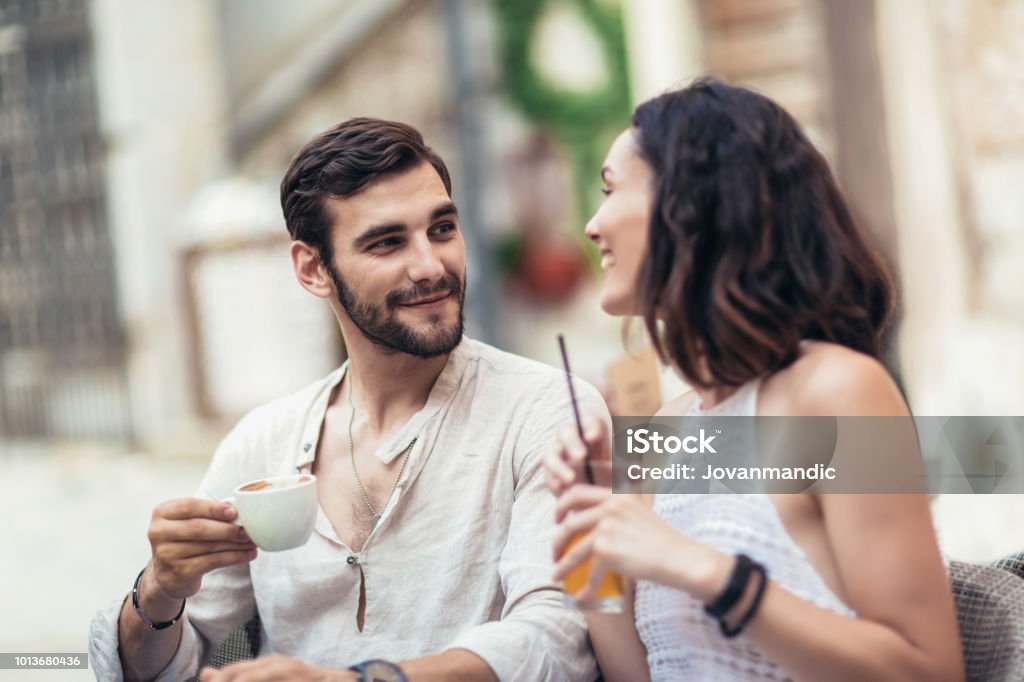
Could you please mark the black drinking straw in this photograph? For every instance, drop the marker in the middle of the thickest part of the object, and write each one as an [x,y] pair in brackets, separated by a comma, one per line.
[587,470]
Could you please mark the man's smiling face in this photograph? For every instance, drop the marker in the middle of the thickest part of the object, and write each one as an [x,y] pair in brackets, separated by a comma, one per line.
[399,265]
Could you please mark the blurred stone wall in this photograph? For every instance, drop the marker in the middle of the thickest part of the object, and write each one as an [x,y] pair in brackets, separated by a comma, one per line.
[917,104]
[981,57]
[954,100]
[397,73]
[776,47]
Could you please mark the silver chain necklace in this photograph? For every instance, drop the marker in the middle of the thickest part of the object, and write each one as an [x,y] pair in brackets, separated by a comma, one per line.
[352,456]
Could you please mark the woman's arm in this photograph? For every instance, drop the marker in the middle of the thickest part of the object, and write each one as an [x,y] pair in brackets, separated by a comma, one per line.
[884,548]
[905,627]
[620,653]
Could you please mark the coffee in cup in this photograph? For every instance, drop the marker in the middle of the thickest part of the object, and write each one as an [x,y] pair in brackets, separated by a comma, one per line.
[264,483]
[277,512]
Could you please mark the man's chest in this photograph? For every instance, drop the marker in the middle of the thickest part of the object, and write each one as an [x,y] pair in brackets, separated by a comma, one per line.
[354,485]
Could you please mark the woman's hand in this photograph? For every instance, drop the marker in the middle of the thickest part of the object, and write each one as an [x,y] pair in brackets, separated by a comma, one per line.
[625,536]
[566,460]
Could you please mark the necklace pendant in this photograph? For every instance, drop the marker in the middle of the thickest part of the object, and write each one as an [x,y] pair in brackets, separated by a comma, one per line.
[376,519]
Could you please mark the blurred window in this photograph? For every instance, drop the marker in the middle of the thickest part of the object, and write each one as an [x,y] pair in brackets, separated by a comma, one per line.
[62,346]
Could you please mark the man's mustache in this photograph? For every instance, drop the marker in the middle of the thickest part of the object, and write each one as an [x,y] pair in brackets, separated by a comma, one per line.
[449,284]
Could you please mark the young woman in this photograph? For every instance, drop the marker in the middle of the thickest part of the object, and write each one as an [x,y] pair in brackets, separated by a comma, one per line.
[724,229]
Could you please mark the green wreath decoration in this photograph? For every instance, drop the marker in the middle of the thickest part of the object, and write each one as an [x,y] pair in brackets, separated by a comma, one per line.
[582,121]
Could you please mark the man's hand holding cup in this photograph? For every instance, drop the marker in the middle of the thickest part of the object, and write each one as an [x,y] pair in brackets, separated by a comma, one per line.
[189,538]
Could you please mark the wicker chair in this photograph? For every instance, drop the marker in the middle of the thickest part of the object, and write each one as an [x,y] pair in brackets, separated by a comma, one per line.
[989,604]
[241,645]
[1013,563]
[990,610]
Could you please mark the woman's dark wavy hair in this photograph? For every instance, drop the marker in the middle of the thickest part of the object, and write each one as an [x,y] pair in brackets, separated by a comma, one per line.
[342,161]
[751,246]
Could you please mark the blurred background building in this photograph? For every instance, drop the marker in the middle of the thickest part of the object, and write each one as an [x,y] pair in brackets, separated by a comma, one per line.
[146,296]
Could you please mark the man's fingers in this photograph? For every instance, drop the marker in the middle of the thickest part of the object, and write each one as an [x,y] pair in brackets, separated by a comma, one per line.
[195,530]
[204,563]
[180,577]
[179,551]
[266,669]
[211,675]
[208,562]
[229,673]
[193,507]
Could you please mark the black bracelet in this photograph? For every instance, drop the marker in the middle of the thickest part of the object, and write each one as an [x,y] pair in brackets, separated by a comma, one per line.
[732,631]
[733,589]
[142,614]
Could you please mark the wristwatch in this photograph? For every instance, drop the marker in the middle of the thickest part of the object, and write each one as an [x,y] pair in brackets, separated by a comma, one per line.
[376,670]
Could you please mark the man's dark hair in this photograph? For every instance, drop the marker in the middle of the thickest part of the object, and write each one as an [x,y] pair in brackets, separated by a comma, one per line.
[340,162]
[751,245]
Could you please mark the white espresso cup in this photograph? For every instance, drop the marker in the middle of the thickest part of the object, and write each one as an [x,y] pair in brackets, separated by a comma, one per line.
[278,512]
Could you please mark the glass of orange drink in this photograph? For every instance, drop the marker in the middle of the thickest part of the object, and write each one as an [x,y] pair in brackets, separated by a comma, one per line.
[608,596]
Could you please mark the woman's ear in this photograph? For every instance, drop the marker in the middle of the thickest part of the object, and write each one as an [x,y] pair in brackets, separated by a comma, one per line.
[310,272]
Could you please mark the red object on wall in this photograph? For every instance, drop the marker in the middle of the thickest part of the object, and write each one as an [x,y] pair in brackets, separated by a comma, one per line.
[550,267]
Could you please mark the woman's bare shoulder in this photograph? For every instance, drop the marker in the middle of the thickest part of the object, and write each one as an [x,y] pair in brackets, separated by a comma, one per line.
[832,379]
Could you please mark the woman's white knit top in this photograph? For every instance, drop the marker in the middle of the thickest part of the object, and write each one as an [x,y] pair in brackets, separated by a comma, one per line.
[683,642]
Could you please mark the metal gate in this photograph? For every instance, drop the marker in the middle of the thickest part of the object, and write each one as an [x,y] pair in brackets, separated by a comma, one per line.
[62,347]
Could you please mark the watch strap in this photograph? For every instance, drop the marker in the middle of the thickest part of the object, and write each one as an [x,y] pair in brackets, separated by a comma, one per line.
[369,671]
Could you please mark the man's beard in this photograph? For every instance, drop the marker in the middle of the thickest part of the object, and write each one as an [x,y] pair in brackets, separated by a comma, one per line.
[380,326]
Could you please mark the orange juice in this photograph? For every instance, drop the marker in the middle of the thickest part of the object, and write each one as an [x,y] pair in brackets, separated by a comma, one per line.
[608,596]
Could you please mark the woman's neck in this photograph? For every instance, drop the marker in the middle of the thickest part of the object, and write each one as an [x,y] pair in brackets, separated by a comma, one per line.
[710,397]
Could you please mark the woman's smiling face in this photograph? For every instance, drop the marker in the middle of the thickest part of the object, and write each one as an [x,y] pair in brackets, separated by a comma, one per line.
[619,227]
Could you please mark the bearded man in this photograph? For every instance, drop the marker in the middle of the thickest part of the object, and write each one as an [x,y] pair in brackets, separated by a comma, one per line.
[430,556]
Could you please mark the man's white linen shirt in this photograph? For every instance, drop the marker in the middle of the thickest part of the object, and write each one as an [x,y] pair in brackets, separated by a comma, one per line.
[461,557]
